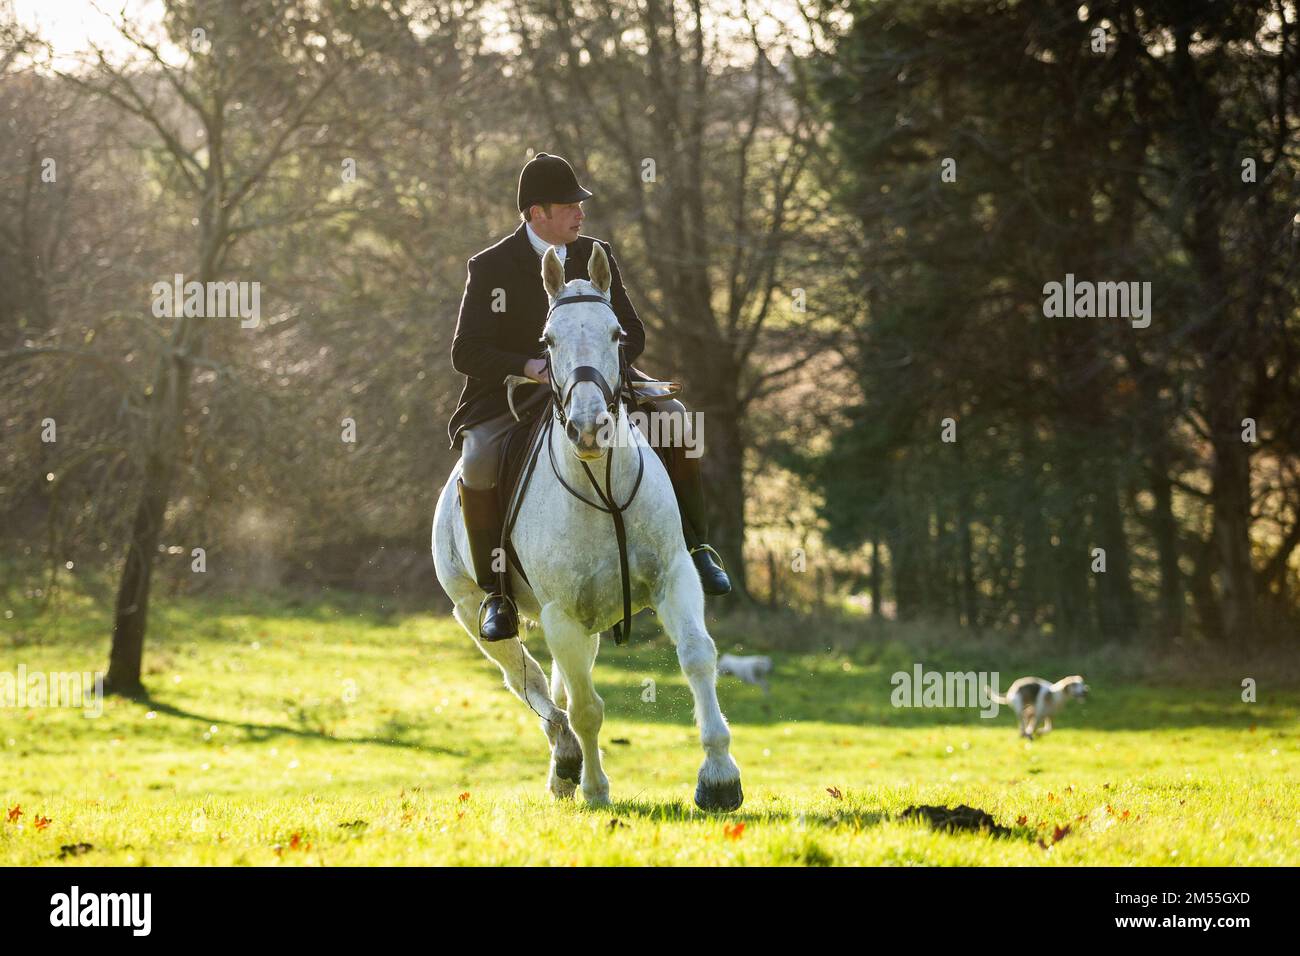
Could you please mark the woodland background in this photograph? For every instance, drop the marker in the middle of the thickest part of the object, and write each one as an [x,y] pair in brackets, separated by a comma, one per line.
[800,260]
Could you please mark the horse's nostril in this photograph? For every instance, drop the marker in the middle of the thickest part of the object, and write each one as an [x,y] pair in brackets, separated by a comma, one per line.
[571,430]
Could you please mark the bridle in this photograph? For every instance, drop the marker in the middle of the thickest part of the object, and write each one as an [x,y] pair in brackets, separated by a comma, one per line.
[560,398]
[584,373]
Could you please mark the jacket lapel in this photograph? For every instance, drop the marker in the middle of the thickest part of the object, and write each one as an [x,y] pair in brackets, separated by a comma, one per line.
[523,251]
[531,262]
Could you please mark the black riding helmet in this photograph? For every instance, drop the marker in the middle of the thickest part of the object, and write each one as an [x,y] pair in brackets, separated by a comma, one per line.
[546,178]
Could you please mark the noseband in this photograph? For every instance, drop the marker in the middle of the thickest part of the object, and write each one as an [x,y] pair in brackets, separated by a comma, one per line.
[586,373]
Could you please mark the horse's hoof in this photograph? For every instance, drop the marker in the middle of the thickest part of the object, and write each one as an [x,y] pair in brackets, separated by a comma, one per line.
[561,789]
[570,770]
[719,797]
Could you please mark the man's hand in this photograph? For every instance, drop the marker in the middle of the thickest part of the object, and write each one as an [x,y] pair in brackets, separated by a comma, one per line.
[536,370]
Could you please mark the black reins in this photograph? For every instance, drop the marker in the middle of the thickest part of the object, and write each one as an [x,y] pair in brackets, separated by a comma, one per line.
[560,398]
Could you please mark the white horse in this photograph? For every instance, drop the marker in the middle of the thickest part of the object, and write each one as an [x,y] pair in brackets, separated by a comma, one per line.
[568,550]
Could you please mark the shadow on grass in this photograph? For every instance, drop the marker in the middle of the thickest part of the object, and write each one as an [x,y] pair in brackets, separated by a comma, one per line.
[258,733]
[678,811]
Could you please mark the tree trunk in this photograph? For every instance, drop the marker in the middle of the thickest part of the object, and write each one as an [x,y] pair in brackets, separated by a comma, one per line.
[1116,603]
[723,468]
[876,614]
[130,617]
[1204,598]
[1165,528]
[164,445]
[772,584]
[1231,495]
[969,605]
[1073,574]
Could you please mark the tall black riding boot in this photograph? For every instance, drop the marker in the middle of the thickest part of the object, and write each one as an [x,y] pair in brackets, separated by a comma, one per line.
[688,483]
[498,620]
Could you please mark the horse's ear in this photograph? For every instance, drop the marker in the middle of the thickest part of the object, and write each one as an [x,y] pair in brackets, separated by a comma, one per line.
[598,268]
[552,273]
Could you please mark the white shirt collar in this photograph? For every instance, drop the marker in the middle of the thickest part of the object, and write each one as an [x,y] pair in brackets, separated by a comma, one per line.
[540,245]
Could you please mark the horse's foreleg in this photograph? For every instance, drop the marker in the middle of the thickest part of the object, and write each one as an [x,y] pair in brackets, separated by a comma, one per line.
[682,614]
[525,679]
[575,652]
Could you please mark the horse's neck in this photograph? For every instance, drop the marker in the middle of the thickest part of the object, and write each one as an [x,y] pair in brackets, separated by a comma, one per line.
[623,468]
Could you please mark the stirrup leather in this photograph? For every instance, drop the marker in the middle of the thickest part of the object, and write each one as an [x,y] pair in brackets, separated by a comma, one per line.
[709,548]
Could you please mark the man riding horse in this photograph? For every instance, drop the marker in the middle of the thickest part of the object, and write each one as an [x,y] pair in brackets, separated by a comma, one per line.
[502,314]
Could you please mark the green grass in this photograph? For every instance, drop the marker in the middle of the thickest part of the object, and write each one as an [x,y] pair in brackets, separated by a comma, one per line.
[255,749]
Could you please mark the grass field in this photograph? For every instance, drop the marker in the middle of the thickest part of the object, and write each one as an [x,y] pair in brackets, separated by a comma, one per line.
[333,734]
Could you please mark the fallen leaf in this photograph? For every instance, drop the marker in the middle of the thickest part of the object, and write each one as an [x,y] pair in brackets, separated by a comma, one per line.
[1021,820]
[463,797]
[42,822]
[15,812]
[734,832]
[835,792]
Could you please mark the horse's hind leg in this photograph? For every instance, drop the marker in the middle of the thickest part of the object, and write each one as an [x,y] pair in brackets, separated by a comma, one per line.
[575,652]
[526,681]
[558,693]
[682,614]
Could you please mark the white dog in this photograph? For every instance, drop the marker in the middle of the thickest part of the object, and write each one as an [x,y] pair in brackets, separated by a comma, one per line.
[1037,701]
[752,670]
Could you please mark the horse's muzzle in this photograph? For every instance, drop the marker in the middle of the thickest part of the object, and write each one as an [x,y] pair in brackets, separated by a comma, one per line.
[589,443]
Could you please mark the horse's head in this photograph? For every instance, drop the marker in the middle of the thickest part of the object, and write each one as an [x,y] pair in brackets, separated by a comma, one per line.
[582,339]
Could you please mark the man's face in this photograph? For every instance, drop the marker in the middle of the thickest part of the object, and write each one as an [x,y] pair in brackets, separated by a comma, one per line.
[562,226]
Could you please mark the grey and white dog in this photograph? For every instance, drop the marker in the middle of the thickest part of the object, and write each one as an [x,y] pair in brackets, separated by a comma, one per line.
[1037,701]
[752,669]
